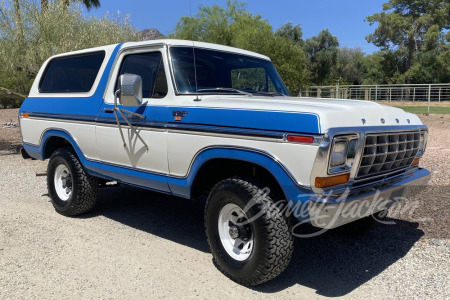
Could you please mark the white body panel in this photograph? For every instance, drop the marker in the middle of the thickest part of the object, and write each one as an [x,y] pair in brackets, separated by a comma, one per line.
[83,133]
[182,148]
[135,154]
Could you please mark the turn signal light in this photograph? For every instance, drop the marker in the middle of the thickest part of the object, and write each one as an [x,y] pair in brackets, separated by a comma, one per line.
[415,161]
[324,182]
[300,139]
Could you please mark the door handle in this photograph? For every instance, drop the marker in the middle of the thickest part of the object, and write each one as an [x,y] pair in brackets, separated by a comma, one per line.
[109,110]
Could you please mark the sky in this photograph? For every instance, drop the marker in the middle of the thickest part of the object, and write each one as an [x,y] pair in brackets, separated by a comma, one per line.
[344,18]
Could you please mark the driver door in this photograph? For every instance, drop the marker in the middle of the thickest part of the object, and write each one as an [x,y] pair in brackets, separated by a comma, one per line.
[145,147]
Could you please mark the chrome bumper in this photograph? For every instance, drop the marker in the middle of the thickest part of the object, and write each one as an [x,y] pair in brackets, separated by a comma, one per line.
[347,209]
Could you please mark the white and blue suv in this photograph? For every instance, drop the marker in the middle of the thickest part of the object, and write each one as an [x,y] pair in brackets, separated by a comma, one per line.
[204,121]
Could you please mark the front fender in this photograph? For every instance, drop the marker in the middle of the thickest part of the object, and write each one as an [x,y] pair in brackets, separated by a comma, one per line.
[181,186]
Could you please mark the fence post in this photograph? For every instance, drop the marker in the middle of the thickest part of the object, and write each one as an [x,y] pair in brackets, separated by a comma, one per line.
[439,94]
[337,90]
[376,93]
[429,97]
[390,94]
[414,94]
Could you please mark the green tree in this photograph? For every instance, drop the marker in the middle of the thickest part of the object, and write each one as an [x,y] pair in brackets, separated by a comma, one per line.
[233,25]
[62,29]
[349,66]
[88,3]
[290,32]
[322,51]
[410,27]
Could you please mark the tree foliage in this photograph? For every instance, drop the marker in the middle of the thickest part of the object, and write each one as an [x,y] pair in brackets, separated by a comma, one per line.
[349,66]
[26,44]
[233,25]
[291,32]
[322,51]
[415,31]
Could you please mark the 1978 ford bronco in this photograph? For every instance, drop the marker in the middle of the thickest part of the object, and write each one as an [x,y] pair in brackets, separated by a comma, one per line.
[199,120]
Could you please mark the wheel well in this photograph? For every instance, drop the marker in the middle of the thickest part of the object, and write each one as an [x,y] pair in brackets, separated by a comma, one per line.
[218,169]
[54,143]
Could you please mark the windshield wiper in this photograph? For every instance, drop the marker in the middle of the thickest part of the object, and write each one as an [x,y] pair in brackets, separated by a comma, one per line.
[272,94]
[224,89]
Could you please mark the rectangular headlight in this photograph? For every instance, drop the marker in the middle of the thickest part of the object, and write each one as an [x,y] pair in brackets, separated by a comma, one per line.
[342,153]
[422,143]
[338,153]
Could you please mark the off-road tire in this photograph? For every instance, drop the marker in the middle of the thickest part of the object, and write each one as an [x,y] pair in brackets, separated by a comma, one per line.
[84,186]
[273,240]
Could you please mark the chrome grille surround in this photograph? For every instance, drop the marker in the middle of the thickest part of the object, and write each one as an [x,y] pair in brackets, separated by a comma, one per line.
[387,152]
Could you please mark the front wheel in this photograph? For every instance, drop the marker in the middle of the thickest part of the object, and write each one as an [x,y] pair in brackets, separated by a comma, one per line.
[72,191]
[249,237]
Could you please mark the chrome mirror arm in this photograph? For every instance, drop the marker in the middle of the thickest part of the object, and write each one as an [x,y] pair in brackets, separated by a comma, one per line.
[122,112]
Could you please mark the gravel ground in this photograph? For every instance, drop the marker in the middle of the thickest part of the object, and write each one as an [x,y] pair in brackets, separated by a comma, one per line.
[138,244]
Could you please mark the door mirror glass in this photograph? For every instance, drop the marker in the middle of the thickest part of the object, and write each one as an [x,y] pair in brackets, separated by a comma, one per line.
[130,90]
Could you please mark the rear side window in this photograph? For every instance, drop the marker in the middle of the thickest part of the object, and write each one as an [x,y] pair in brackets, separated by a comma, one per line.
[72,74]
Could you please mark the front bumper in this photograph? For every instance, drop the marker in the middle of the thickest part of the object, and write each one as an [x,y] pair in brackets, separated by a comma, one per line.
[348,208]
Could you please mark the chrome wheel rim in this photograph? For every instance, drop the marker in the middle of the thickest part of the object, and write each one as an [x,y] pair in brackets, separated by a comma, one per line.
[63,182]
[235,232]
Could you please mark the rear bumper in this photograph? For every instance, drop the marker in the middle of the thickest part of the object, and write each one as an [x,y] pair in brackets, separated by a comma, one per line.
[347,209]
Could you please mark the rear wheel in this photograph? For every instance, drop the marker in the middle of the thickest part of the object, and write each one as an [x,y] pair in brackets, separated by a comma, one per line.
[72,191]
[249,237]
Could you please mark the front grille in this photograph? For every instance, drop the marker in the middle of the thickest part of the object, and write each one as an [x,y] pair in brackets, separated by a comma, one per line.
[388,152]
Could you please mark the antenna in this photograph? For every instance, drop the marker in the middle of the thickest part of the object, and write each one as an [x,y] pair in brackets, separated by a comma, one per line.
[195,64]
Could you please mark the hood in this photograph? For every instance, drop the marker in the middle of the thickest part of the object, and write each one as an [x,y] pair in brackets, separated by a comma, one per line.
[328,113]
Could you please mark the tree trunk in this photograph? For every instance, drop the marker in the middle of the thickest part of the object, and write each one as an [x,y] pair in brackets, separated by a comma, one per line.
[19,22]
[411,50]
[44,5]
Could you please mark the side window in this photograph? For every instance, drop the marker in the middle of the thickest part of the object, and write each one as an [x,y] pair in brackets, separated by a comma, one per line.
[72,74]
[150,67]
[252,79]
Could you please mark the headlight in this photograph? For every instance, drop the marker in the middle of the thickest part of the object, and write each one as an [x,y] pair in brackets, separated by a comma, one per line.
[422,143]
[338,153]
[342,154]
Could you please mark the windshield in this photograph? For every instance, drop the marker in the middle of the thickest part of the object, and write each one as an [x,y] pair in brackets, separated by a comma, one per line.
[224,73]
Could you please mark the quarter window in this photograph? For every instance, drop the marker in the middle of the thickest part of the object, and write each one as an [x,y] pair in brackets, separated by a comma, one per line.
[72,74]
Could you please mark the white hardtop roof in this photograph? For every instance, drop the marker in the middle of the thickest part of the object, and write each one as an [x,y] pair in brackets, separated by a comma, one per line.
[195,44]
[169,42]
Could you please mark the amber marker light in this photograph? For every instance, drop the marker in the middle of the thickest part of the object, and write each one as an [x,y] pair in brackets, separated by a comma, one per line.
[25,115]
[300,139]
[324,182]
[415,161]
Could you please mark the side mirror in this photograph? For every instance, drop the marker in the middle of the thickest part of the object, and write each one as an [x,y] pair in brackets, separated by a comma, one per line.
[130,90]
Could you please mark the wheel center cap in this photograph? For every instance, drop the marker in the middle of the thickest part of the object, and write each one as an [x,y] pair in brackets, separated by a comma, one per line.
[64,182]
[234,232]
